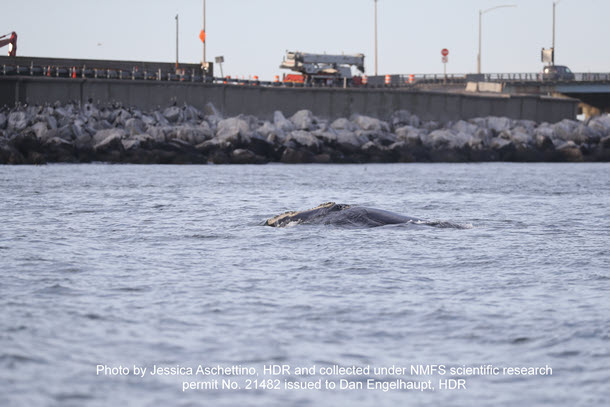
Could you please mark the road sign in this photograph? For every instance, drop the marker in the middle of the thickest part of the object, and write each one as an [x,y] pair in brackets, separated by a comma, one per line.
[445,52]
[445,59]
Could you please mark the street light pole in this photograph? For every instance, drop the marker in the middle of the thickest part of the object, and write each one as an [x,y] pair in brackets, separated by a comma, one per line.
[176,40]
[204,32]
[481,12]
[375,37]
[553,48]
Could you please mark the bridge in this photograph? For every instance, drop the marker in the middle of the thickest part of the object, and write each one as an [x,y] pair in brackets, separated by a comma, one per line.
[149,85]
[591,89]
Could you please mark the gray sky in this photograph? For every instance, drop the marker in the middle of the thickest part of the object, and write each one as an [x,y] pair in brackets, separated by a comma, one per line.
[253,35]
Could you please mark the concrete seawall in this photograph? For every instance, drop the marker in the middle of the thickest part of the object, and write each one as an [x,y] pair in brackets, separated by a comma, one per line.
[260,101]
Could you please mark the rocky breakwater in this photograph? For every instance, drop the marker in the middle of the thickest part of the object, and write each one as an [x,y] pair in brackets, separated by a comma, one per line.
[184,134]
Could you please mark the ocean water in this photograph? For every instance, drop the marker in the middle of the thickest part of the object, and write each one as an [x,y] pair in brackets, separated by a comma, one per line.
[169,266]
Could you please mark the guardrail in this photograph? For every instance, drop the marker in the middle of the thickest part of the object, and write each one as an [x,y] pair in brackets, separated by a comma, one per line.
[196,75]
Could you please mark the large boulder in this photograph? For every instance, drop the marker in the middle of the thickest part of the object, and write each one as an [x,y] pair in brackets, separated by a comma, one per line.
[173,114]
[297,156]
[113,142]
[134,126]
[271,133]
[245,156]
[409,134]
[462,126]
[498,124]
[91,111]
[304,139]
[3,121]
[367,123]
[401,118]
[213,145]
[106,135]
[569,151]
[281,123]
[350,142]
[192,114]
[17,121]
[192,134]
[343,124]
[139,141]
[566,130]
[601,124]
[157,133]
[303,120]
[234,131]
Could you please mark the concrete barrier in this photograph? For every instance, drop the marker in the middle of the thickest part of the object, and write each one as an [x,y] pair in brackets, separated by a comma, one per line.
[261,101]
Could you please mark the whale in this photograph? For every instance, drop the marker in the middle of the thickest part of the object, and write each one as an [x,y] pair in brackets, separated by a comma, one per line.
[331,213]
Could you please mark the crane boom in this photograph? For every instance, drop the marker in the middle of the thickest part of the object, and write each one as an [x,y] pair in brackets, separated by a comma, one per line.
[11,42]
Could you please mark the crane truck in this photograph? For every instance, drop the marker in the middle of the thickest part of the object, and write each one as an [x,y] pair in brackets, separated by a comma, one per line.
[322,69]
[11,42]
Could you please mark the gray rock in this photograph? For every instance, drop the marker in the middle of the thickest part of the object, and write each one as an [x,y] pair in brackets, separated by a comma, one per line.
[120,116]
[192,114]
[210,110]
[192,134]
[367,123]
[328,137]
[134,126]
[601,124]
[271,133]
[160,119]
[233,130]
[498,143]
[297,156]
[106,135]
[134,142]
[570,151]
[498,124]
[3,121]
[17,121]
[112,142]
[281,123]
[438,139]
[51,121]
[41,130]
[212,145]
[343,124]
[57,142]
[173,114]
[303,120]
[409,134]
[157,133]
[304,139]
[90,110]
[245,156]
[565,130]
[521,138]
[350,142]
[148,120]
[401,118]
[465,127]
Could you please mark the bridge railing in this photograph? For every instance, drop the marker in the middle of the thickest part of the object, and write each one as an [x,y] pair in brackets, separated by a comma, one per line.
[196,75]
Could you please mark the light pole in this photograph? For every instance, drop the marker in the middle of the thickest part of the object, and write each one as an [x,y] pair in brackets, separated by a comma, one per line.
[204,33]
[176,41]
[553,52]
[481,12]
[375,37]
